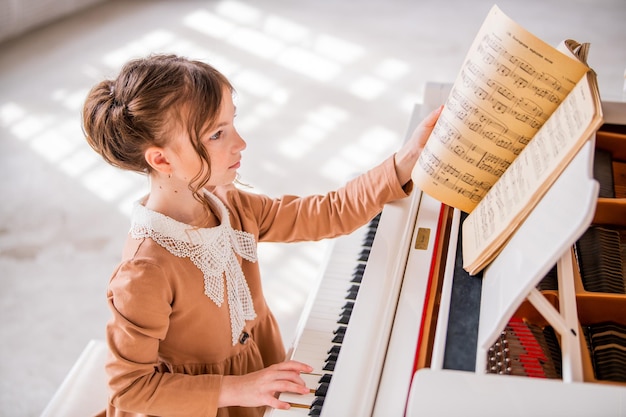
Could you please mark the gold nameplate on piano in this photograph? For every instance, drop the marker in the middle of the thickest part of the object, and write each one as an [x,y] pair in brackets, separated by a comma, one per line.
[421,240]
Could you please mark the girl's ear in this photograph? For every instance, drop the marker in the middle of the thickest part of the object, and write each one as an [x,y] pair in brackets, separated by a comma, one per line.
[156,158]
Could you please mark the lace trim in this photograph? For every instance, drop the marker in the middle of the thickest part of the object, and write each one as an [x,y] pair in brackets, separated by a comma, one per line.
[212,250]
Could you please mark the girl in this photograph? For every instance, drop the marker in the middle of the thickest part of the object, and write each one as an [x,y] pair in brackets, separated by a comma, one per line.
[191,333]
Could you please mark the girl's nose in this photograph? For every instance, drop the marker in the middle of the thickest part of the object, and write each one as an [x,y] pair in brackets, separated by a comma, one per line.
[241,144]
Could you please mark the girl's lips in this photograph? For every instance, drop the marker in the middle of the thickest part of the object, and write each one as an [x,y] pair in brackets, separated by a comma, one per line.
[236,165]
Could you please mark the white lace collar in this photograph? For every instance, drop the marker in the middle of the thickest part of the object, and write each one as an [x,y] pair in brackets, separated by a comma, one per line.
[212,250]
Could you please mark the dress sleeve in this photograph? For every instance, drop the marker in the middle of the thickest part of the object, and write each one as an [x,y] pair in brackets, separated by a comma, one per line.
[140,297]
[292,218]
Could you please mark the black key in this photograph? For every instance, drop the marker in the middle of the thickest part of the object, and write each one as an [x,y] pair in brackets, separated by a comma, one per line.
[334,349]
[357,278]
[325,379]
[340,330]
[315,410]
[344,319]
[364,255]
[322,390]
[318,401]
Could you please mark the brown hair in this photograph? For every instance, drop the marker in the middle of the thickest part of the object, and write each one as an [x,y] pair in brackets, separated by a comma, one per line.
[150,97]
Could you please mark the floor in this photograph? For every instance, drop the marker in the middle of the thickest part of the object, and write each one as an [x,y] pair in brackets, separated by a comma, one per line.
[325,91]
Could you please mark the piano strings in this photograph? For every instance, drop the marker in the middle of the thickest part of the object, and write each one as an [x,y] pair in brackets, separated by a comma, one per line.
[524,349]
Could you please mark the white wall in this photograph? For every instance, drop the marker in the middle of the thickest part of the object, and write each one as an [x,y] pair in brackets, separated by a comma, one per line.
[20,16]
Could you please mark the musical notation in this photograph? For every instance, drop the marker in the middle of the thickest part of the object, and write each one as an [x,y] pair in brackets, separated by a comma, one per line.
[545,85]
[483,124]
[468,151]
[447,175]
[502,99]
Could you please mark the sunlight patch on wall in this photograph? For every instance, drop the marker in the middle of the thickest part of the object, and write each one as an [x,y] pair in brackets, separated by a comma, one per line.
[392,69]
[79,162]
[337,49]
[256,43]
[60,141]
[308,63]
[285,29]
[377,142]
[153,41]
[71,100]
[367,87]
[57,141]
[239,12]
[51,138]
[292,276]
[26,125]
[270,37]
[328,116]
[255,83]
[306,137]
[107,182]
[209,24]
[319,123]
[249,118]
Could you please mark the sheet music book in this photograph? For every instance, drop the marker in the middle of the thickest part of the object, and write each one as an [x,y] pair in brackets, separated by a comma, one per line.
[518,112]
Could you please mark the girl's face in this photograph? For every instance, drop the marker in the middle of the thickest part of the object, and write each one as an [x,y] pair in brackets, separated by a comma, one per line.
[222,143]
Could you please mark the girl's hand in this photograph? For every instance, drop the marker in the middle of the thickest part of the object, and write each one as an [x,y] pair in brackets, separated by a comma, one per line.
[406,157]
[259,388]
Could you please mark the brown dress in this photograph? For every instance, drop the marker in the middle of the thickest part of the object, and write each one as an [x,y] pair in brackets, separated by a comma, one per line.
[170,344]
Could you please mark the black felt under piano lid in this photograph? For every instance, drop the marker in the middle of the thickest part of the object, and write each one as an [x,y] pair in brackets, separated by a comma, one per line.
[462,334]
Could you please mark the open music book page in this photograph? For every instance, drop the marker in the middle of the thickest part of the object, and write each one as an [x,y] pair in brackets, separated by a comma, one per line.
[517,113]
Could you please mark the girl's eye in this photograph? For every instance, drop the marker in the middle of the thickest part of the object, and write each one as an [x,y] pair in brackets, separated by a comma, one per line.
[217,135]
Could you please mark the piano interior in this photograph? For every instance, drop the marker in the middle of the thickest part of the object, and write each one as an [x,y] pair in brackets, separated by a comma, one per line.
[529,346]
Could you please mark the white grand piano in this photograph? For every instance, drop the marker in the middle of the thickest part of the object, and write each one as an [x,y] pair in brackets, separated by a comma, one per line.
[397,328]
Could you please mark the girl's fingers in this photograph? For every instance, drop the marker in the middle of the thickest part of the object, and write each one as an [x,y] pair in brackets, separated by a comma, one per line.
[294,366]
